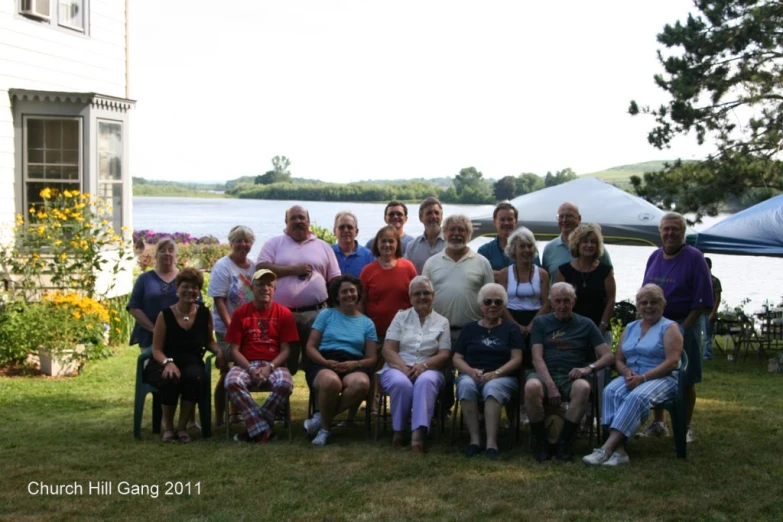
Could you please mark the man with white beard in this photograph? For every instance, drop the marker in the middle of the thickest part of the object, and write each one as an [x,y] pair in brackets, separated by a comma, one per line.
[457,274]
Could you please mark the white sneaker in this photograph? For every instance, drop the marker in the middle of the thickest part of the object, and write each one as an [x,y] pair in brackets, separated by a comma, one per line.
[689,435]
[655,429]
[313,424]
[596,458]
[321,438]
[617,459]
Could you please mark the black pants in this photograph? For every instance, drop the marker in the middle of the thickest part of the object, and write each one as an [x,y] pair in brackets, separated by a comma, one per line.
[188,385]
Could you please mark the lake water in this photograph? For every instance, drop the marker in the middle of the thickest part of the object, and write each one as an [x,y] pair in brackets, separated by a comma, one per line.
[755,278]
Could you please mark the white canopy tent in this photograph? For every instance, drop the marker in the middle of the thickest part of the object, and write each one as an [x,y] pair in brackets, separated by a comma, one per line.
[624,218]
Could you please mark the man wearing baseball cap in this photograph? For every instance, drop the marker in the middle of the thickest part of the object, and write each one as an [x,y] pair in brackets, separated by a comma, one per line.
[260,333]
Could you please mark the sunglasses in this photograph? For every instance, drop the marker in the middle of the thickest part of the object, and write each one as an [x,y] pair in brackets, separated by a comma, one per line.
[395,214]
[490,302]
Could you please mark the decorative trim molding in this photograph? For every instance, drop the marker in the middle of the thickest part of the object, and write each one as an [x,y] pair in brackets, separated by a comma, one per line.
[95,100]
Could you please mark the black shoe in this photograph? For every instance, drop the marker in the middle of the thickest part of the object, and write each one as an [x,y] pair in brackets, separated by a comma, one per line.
[563,452]
[492,453]
[472,450]
[541,453]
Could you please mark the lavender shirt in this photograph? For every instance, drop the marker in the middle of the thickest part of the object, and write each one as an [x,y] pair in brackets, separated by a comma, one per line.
[685,279]
[292,291]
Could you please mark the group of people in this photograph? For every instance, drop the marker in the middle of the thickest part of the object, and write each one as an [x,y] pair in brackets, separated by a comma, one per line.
[410,310]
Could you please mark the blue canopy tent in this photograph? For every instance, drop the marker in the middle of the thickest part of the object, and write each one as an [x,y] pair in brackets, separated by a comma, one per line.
[756,231]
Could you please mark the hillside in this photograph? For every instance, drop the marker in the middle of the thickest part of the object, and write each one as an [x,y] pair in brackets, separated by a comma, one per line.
[621,176]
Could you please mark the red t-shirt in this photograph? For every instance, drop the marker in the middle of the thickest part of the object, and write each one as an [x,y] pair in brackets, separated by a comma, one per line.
[386,291]
[260,332]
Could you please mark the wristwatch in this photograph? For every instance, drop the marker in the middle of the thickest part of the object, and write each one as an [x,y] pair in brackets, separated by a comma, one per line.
[167,360]
[272,365]
[592,368]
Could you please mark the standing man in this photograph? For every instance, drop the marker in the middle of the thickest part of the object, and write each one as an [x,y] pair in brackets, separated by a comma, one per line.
[260,333]
[710,318]
[561,345]
[556,252]
[303,265]
[396,215]
[431,241]
[681,271]
[351,256]
[505,218]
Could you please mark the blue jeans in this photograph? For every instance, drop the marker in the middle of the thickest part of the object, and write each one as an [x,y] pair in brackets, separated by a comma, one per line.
[708,330]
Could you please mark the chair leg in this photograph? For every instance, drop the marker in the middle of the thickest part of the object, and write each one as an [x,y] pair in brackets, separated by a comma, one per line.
[138,411]
[287,408]
[157,412]
[454,415]
[679,429]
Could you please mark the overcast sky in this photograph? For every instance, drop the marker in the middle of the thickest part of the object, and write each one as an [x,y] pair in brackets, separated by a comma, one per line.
[359,89]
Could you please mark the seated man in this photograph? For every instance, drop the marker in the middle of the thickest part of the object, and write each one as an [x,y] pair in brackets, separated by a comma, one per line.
[260,333]
[561,343]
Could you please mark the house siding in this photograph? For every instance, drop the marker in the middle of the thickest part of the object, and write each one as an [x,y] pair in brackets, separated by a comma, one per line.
[45,57]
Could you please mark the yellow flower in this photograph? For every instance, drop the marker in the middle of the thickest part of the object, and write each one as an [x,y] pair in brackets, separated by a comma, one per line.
[63,256]
[46,193]
[117,330]
[41,229]
[89,325]
[76,314]
[68,194]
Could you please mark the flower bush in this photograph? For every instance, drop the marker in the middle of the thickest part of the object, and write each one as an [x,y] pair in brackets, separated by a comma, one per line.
[66,243]
[57,323]
[199,252]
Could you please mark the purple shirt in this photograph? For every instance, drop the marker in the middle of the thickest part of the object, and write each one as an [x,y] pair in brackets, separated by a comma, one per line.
[292,291]
[685,279]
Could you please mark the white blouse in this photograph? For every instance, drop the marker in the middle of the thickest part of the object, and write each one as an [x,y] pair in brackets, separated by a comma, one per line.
[418,342]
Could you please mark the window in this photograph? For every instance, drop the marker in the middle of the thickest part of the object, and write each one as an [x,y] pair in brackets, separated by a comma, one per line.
[110,167]
[65,13]
[70,13]
[52,156]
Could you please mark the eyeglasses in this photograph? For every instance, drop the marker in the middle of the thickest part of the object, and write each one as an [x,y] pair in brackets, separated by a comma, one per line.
[490,302]
[566,216]
[395,214]
[422,293]
[652,302]
[189,288]
[345,227]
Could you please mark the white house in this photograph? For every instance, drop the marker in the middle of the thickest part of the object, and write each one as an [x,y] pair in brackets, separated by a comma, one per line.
[64,107]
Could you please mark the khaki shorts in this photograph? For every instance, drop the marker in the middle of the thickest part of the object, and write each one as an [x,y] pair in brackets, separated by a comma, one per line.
[563,383]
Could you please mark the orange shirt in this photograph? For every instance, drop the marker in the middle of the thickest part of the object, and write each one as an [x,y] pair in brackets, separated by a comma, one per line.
[386,291]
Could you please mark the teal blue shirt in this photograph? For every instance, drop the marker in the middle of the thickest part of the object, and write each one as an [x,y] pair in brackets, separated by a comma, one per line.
[346,333]
[496,257]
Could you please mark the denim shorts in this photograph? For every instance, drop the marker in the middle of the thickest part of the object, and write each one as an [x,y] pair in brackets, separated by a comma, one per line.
[500,388]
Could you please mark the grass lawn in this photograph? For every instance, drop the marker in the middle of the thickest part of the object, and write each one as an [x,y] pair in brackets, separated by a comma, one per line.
[79,430]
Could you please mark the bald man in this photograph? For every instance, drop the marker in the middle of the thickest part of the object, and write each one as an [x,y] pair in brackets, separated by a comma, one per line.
[303,265]
[556,252]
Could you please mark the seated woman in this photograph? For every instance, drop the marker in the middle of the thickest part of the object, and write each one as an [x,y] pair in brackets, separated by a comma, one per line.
[181,333]
[648,353]
[487,355]
[417,346]
[343,350]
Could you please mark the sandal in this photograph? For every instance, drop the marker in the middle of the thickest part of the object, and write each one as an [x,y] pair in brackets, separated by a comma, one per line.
[183,436]
[169,436]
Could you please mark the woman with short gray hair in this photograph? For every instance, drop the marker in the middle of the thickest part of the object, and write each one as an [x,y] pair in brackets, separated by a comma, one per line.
[527,285]
[230,286]
[416,348]
[487,355]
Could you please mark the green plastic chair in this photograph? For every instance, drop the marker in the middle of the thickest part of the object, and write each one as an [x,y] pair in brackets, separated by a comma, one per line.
[142,389]
[676,409]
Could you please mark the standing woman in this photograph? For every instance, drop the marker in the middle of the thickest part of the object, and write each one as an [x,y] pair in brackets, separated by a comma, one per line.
[230,286]
[385,281]
[343,351]
[592,279]
[153,291]
[182,332]
[527,285]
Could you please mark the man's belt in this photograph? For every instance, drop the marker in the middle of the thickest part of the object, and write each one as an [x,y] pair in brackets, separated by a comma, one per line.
[308,308]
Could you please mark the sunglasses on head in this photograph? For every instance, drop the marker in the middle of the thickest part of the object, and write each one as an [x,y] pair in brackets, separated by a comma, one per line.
[490,302]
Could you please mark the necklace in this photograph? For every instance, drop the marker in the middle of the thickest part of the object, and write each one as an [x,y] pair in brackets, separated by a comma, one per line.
[584,275]
[185,316]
